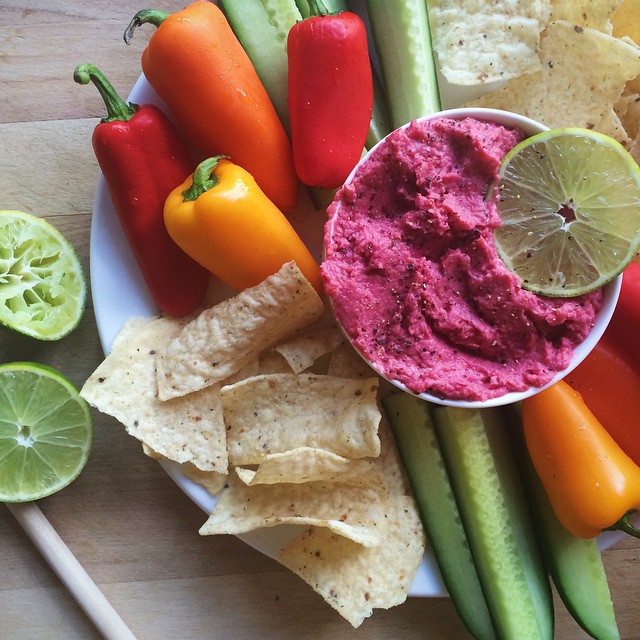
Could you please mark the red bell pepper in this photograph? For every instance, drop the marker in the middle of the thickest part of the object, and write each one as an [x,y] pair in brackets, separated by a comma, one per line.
[624,328]
[143,159]
[330,94]
[610,387]
[609,377]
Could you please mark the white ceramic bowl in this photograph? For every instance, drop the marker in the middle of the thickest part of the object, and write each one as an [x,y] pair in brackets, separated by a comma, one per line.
[611,291]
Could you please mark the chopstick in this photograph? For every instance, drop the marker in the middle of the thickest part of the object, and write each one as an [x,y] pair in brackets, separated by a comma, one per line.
[70,571]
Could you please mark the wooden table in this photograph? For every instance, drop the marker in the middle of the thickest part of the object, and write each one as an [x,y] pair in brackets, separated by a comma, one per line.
[133,530]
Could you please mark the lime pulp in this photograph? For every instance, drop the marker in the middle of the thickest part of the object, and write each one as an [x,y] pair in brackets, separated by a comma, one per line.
[569,200]
[46,432]
[43,288]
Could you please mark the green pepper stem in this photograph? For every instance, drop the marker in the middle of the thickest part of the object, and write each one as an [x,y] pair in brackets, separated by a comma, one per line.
[144,16]
[625,526]
[203,178]
[117,108]
[318,8]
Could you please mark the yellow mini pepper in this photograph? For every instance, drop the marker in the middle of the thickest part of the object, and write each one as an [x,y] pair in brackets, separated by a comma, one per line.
[591,483]
[222,219]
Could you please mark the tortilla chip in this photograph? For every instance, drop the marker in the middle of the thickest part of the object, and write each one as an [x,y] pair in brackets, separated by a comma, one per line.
[212,481]
[612,126]
[634,148]
[389,462]
[583,76]
[355,579]
[352,512]
[628,110]
[307,464]
[626,20]
[479,42]
[279,412]
[303,350]
[271,361]
[223,339]
[595,14]
[189,429]
[345,362]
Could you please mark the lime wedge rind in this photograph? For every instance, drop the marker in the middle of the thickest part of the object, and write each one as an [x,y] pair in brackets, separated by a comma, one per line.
[36,462]
[570,208]
[42,284]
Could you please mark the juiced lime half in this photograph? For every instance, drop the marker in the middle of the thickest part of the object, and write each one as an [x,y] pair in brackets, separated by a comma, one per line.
[43,288]
[569,200]
[46,432]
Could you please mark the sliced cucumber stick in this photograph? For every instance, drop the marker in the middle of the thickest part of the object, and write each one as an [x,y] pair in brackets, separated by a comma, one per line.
[402,40]
[262,27]
[495,512]
[417,444]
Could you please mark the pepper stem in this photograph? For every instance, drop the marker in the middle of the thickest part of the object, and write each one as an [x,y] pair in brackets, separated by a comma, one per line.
[153,16]
[625,526]
[203,178]
[318,8]
[117,108]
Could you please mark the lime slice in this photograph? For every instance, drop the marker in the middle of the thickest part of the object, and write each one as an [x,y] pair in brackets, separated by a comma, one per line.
[46,432]
[570,207]
[42,285]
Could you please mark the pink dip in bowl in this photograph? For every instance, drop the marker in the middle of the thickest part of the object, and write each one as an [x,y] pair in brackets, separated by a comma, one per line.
[415,279]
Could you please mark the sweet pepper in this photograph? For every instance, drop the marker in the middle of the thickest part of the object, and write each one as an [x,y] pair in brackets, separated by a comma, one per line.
[610,386]
[624,328]
[591,483]
[198,67]
[330,94]
[223,220]
[143,158]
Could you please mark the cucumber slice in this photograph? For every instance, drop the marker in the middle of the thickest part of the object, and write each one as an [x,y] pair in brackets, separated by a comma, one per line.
[262,27]
[380,121]
[417,444]
[402,40]
[575,564]
[495,513]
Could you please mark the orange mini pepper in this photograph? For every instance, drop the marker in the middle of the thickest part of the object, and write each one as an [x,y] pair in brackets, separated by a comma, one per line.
[591,483]
[198,67]
[222,219]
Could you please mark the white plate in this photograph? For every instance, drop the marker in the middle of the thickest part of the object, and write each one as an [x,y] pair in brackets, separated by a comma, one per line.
[119,292]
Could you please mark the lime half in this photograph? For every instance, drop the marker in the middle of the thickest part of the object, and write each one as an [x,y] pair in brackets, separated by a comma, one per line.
[569,200]
[46,432]
[42,285]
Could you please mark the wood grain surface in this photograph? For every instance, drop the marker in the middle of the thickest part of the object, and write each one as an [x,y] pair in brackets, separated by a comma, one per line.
[129,525]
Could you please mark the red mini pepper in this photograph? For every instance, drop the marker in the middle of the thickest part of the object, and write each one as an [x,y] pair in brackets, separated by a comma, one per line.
[624,328]
[143,158]
[609,377]
[330,95]
[610,387]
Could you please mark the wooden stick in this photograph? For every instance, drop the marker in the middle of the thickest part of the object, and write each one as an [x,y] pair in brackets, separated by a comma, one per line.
[70,571]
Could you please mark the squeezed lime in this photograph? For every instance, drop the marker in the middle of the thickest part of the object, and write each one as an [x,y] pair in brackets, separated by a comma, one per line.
[569,200]
[43,288]
[46,431]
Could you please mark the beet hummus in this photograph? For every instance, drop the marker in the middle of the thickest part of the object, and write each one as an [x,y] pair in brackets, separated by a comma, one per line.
[415,278]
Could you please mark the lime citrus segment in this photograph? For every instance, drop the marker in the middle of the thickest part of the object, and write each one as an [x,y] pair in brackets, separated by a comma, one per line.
[46,432]
[42,285]
[569,201]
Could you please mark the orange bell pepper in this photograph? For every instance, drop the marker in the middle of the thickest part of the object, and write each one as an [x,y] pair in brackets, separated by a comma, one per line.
[221,218]
[591,483]
[610,387]
[196,64]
